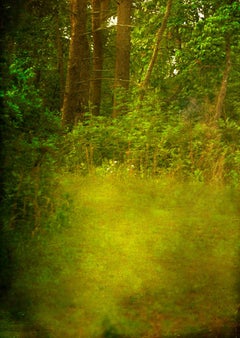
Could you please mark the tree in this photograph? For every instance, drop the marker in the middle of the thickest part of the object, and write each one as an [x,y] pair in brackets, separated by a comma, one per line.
[99,16]
[123,46]
[76,96]
[201,41]
[97,56]
[228,17]
[159,38]
[223,88]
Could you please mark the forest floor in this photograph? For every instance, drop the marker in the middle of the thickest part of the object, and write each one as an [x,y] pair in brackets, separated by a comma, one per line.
[135,258]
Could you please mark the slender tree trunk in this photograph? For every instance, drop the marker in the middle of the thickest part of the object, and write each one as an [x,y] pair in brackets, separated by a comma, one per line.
[123,46]
[159,37]
[97,22]
[223,89]
[76,95]
[104,15]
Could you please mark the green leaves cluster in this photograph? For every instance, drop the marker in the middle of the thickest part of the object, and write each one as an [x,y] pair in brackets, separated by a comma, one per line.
[21,97]
[30,135]
[151,143]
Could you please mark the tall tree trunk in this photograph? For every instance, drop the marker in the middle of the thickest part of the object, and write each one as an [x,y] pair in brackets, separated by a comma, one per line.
[76,95]
[99,15]
[223,89]
[159,37]
[123,46]
[104,10]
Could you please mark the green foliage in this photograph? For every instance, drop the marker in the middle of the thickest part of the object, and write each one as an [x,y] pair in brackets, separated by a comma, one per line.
[149,142]
[30,136]
[21,98]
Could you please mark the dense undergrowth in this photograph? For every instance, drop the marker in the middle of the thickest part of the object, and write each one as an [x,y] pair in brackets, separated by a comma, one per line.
[152,143]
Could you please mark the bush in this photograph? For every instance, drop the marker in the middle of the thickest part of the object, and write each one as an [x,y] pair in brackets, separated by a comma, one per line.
[151,144]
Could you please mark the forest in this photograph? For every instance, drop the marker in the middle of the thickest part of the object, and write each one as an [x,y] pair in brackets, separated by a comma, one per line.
[120,169]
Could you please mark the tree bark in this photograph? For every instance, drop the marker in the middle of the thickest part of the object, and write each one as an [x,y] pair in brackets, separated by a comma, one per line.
[76,96]
[104,15]
[99,16]
[159,37]
[223,89]
[123,46]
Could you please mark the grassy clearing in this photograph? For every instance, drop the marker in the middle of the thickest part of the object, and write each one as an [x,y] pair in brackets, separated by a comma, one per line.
[141,258]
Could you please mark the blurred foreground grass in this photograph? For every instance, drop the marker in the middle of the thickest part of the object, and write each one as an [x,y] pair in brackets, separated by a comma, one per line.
[136,257]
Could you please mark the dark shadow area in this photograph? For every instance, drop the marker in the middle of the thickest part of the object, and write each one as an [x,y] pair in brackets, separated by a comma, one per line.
[224,333]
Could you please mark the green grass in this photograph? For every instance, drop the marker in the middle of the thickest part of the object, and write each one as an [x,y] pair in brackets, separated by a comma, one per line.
[144,258]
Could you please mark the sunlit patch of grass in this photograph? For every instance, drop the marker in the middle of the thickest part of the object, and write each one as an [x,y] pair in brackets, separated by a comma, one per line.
[142,258]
